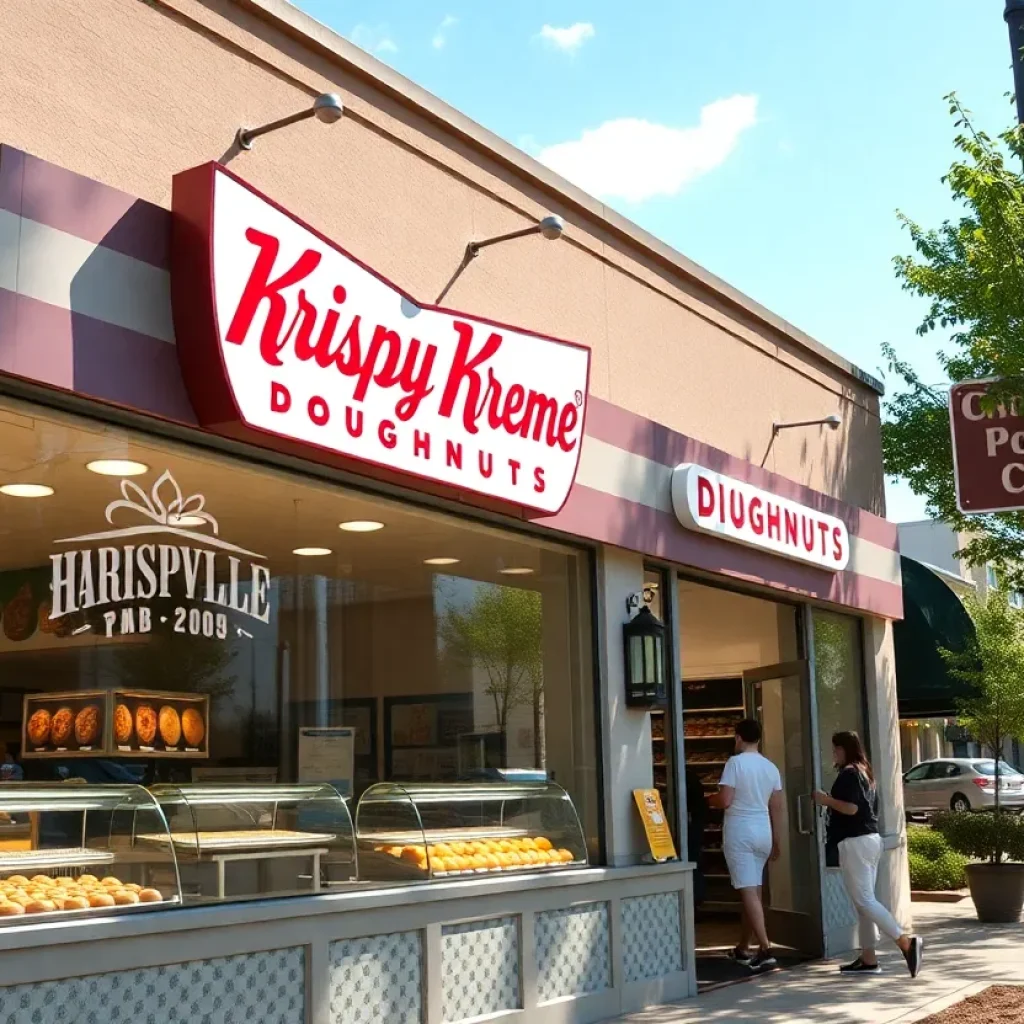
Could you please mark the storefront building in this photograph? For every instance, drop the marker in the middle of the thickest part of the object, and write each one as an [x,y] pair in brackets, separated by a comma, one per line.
[319,585]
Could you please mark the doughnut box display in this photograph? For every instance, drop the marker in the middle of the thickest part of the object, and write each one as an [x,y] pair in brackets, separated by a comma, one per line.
[64,724]
[116,723]
[160,724]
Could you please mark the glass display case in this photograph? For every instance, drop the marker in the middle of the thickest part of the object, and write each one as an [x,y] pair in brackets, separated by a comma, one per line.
[421,831]
[236,841]
[69,850]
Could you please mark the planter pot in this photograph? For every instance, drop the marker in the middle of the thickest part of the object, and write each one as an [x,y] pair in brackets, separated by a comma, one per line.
[997,891]
[936,896]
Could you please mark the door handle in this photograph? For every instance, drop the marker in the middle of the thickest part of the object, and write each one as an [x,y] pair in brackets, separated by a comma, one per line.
[801,827]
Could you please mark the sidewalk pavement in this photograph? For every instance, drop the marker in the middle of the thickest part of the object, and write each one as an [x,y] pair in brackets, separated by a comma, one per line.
[961,958]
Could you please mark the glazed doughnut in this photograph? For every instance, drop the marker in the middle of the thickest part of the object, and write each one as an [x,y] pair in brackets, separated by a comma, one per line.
[40,906]
[150,896]
[101,899]
[11,909]
[124,898]
[76,903]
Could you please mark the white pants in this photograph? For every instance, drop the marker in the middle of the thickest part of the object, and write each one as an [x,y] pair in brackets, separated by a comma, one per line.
[747,845]
[859,859]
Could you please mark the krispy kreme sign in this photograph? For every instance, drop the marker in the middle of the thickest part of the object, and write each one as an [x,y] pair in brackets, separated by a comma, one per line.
[737,511]
[282,334]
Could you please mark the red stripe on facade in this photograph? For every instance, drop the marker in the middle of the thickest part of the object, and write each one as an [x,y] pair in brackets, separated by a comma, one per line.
[87,209]
[610,520]
[67,350]
[55,347]
[633,433]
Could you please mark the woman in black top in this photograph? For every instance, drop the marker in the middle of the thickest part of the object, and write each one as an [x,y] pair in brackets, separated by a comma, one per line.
[853,844]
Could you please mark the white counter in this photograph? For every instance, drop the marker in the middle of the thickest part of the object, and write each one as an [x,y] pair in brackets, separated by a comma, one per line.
[580,946]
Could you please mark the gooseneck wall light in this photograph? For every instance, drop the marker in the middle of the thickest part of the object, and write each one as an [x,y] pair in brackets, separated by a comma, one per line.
[551,227]
[327,108]
[832,422]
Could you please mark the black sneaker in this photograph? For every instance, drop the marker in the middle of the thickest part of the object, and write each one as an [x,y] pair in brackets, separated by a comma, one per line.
[859,967]
[914,955]
[762,962]
[741,956]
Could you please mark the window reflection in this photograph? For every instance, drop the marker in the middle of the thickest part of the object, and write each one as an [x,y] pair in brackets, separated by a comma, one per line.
[453,651]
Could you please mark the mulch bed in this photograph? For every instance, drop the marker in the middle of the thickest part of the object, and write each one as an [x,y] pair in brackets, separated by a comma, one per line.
[1001,1004]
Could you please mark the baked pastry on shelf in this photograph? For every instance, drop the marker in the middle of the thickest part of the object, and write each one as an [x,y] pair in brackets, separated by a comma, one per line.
[145,724]
[170,726]
[87,725]
[39,727]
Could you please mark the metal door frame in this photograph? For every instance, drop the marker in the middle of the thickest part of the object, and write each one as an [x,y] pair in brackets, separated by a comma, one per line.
[802,931]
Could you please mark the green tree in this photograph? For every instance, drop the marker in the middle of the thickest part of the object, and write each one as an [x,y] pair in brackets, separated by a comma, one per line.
[992,665]
[971,271]
[500,631]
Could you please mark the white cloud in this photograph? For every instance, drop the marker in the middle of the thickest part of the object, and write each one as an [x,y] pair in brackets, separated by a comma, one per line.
[441,35]
[567,39]
[633,159]
[375,39]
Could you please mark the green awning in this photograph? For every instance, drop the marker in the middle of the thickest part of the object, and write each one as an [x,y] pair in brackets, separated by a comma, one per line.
[933,617]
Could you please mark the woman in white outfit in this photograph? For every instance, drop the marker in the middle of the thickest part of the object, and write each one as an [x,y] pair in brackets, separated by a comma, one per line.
[853,830]
[750,791]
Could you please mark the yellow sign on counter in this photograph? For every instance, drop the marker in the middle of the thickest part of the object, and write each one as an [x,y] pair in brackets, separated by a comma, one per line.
[659,837]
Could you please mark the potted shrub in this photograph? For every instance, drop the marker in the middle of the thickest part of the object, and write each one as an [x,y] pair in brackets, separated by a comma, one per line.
[996,842]
[992,665]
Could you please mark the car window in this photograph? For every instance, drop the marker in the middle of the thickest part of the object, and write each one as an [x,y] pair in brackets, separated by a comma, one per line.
[918,774]
[989,768]
[940,770]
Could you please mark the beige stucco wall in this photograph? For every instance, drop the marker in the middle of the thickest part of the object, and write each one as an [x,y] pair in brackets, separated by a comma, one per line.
[131,91]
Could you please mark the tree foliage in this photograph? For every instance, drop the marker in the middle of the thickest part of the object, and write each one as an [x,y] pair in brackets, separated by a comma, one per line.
[971,271]
[992,665]
[500,632]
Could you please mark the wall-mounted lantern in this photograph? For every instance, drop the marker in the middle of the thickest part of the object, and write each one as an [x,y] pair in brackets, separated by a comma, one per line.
[643,639]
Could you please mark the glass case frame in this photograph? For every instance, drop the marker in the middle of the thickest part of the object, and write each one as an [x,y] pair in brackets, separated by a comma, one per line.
[259,844]
[531,827]
[74,878]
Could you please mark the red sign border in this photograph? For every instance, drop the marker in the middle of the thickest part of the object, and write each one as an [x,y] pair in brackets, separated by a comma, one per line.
[197,331]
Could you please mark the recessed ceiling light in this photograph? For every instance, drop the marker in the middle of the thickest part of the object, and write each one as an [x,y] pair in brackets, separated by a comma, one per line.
[117,467]
[26,490]
[311,552]
[185,521]
[517,570]
[440,561]
[361,526]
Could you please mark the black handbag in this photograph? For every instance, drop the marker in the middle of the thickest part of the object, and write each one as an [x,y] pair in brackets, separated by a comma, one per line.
[831,855]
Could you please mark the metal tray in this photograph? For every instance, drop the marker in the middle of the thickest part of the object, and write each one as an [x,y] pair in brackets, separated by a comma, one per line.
[443,835]
[211,842]
[52,916]
[18,861]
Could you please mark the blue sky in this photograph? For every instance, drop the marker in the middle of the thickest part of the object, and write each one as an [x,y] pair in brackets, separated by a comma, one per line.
[770,142]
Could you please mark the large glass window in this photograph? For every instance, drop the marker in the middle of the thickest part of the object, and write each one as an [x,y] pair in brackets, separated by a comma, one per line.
[454,650]
[838,683]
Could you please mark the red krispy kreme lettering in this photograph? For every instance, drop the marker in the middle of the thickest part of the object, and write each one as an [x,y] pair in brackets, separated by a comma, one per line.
[379,356]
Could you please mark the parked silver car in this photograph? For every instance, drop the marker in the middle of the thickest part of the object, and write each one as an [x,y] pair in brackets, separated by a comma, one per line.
[961,784]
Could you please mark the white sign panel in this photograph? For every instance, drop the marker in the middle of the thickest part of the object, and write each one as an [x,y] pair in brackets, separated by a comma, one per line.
[735,510]
[326,755]
[314,348]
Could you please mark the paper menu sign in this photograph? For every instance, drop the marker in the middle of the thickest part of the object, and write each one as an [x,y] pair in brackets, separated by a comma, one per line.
[652,814]
[326,754]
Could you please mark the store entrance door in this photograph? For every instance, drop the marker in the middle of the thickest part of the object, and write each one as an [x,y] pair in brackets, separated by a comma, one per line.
[780,698]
